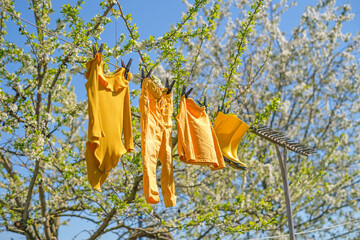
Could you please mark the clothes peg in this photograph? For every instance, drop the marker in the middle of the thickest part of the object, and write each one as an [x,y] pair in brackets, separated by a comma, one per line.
[127,67]
[101,48]
[169,87]
[222,109]
[202,104]
[183,92]
[143,75]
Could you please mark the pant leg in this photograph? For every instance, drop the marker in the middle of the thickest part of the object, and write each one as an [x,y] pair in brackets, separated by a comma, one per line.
[150,145]
[167,173]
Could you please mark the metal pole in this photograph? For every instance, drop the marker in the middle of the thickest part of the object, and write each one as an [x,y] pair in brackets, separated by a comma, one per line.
[140,223]
[284,174]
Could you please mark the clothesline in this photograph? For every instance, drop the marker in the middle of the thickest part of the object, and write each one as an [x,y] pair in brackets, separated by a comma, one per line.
[299,233]
[54,35]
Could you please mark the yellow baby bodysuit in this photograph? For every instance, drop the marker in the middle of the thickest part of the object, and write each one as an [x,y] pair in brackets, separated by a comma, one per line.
[109,117]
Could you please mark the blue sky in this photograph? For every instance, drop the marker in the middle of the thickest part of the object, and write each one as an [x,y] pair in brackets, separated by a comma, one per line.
[153,18]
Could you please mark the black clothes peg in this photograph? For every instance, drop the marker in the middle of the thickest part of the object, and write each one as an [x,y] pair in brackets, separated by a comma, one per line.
[223,109]
[143,75]
[127,67]
[101,48]
[202,104]
[169,87]
[183,92]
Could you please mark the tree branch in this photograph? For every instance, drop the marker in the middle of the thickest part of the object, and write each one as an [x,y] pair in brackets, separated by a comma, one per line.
[205,233]
[150,233]
[132,195]
[8,166]
[43,210]
[105,223]
[25,214]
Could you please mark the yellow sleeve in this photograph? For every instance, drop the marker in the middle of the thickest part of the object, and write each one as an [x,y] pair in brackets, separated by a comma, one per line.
[128,134]
[92,87]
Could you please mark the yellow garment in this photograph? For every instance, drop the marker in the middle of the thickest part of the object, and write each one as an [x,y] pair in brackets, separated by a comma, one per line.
[109,117]
[197,143]
[156,108]
[229,132]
